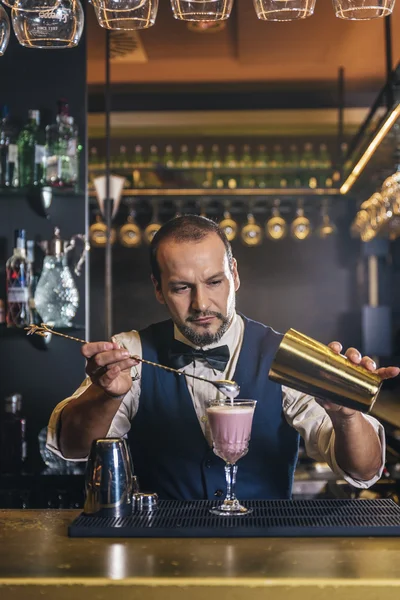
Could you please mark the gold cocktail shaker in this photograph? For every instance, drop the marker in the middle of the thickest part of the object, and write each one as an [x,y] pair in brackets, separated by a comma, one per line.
[308,366]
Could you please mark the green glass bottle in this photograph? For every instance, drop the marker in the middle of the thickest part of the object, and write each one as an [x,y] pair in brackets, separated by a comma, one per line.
[230,157]
[31,152]
[138,160]
[199,159]
[121,160]
[183,161]
[262,158]
[277,160]
[324,159]
[246,162]
[168,158]
[214,160]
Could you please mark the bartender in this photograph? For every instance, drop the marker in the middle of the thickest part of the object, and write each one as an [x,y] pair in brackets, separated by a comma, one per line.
[164,415]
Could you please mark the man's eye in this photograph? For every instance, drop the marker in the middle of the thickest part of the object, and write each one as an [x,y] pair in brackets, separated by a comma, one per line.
[179,289]
[216,282]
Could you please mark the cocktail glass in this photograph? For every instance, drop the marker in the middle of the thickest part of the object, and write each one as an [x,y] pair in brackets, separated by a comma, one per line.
[230,424]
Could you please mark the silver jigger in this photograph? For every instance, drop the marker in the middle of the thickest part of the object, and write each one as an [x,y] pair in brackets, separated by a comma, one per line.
[109,479]
[308,366]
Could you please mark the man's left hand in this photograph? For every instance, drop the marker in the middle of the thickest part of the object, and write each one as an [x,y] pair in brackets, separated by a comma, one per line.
[355,357]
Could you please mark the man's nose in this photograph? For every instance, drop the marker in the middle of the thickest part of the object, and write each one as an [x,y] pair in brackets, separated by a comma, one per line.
[200,300]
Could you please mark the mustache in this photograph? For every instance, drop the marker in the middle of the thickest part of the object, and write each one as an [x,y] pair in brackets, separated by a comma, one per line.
[203,314]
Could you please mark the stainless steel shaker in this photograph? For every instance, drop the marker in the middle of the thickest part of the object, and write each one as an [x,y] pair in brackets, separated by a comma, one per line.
[109,479]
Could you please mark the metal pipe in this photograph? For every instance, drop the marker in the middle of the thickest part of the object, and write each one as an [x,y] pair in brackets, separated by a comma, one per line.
[108,250]
[389,60]
[341,100]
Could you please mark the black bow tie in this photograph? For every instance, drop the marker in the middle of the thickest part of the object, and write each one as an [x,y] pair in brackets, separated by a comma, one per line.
[180,355]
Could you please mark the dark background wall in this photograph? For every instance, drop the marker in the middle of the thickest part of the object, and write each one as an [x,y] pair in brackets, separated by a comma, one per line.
[37,79]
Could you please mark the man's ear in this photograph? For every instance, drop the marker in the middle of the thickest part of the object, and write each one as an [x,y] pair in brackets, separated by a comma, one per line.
[157,290]
[235,273]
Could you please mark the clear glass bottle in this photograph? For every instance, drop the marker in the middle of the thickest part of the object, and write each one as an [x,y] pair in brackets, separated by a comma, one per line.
[61,154]
[12,436]
[31,152]
[56,295]
[8,152]
[17,284]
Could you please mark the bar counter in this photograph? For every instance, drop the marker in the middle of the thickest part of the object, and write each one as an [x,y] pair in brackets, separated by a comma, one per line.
[39,561]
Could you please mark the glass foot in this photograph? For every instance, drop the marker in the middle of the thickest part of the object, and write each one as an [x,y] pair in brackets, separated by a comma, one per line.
[230,508]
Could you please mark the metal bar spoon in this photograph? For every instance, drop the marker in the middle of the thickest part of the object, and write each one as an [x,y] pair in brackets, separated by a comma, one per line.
[229,388]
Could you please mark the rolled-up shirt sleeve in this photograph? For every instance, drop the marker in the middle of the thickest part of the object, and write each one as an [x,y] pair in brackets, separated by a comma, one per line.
[121,422]
[314,425]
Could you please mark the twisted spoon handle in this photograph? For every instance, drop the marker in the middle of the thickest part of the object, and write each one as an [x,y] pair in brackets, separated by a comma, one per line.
[44,329]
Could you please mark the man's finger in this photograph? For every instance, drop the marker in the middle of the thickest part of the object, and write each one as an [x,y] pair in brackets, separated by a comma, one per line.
[368,363]
[93,348]
[109,358]
[388,372]
[336,347]
[354,355]
[109,376]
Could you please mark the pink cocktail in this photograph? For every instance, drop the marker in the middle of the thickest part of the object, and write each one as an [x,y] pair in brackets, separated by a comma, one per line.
[230,424]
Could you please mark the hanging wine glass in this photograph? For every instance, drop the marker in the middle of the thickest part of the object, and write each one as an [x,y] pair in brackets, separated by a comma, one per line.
[283,10]
[201,10]
[154,224]
[360,10]
[130,235]
[276,226]
[32,5]
[45,26]
[4,30]
[251,233]
[301,226]
[126,14]
[98,233]
[228,225]
[327,227]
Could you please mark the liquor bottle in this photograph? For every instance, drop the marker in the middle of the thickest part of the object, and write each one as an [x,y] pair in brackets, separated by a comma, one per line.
[12,436]
[230,157]
[138,160]
[277,159]
[31,152]
[168,158]
[324,159]
[294,158]
[214,160]
[33,278]
[121,160]
[245,159]
[93,158]
[17,284]
[308,163]
[61,152]
[262,159]
[199,159]
[183,161]
[154,158]
[8,152]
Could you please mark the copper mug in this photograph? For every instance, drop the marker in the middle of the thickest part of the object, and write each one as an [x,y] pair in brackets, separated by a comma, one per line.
[308,366]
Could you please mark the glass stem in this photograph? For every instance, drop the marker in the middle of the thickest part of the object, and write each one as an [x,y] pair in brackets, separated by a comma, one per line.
[230,474]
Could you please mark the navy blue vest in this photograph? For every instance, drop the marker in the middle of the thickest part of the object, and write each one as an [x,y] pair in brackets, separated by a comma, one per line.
[170,453]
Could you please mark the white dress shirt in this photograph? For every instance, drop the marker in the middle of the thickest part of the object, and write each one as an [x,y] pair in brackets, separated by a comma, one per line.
[301,411]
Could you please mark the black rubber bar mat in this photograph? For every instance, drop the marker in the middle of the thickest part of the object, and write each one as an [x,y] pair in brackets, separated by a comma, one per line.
[270,518]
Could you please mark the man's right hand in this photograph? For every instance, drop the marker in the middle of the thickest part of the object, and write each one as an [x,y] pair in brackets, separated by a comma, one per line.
[109,367]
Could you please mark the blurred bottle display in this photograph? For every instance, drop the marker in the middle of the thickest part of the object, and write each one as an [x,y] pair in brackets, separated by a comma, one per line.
[199,158]
[231,161]
[31,152]
[121,160]
[62,150]
[17,283]
[183,160]
[215,161]
[262,158]
[12,436]
[138,160]
[8,152]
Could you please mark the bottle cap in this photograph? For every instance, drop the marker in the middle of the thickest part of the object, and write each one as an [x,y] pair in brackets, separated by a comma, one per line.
[56,245]
[34,115]
[13,403]
[19,238]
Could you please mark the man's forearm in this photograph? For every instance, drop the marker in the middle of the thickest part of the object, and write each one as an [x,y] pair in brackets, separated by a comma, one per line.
[84,419]
[357,447]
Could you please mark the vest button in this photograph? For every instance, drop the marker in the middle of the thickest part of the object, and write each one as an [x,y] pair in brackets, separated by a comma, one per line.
[208,464]
[219,493]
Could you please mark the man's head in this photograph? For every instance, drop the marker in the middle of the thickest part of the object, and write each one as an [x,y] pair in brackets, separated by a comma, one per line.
[195,276]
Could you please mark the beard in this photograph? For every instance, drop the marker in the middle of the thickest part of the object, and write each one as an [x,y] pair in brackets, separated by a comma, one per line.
[207,338]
